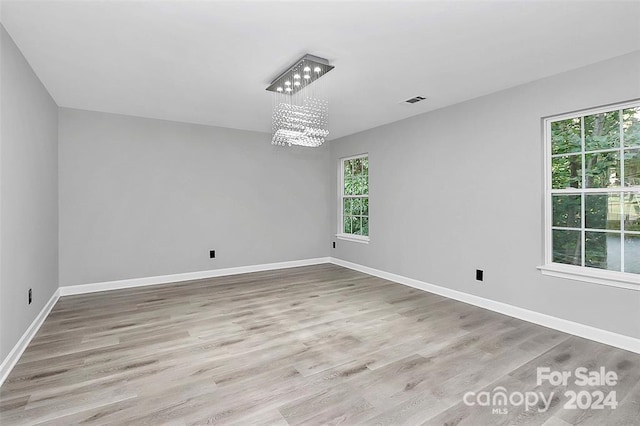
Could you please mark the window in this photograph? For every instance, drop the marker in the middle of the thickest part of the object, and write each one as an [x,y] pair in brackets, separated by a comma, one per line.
[593,195]
[353,215]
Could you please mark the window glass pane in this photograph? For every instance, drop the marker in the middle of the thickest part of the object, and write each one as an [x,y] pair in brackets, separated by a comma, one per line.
[632,212]
[602,131]
[602,250]
[350,186]
[602,170]
[602,211]
[632,167]
[356,186]
[346,207]
[347,224]
[347,169]
[566,172]
[632,253]
[567,247]
[355,225]
[356,166]
[365,226]
[356,206]
[364,185]
[565,136]
[566,211]
[365,206]
[631,126]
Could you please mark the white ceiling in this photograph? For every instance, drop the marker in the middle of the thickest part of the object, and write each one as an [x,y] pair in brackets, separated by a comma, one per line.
[210,62]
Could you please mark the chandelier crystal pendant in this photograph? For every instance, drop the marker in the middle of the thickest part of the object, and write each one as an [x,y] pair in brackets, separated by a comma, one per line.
[300,105]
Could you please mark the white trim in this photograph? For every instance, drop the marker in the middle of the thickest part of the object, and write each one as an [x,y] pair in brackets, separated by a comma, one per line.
[595,151]
[596,276]
[603,191]
[341,196]
[581,272]
[581,330]
[353,157]
[188,276]
[354,238]
[12,358]
[590,111]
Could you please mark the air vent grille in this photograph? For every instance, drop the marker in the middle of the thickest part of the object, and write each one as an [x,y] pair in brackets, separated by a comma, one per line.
[416,99]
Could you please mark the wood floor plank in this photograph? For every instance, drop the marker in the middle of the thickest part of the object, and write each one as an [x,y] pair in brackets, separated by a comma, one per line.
[312,345]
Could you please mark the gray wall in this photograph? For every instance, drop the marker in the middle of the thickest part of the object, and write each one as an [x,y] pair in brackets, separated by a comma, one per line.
[29,194]
[142,197]
[462,188]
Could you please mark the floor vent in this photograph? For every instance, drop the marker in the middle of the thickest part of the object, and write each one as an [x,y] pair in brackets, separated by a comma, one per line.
[416,99]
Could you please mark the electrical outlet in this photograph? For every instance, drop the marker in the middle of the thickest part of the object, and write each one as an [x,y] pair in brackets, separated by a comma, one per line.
[30,296]
[479,275]
[334,244]
[212,254]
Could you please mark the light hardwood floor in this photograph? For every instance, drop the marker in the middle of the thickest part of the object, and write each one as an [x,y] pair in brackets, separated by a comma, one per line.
[312,345]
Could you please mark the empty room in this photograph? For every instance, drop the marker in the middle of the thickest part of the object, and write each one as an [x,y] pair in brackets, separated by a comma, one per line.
[319,212]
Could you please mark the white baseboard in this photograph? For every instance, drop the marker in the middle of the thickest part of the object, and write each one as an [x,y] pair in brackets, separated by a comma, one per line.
[188,276]
[12,358]
[588,332]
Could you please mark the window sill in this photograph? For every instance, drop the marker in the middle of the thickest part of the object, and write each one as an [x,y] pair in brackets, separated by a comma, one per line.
[596,276]
[354,238]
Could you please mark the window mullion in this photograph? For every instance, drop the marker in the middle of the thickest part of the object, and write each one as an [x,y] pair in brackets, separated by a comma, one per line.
[622,184]
[595,151]
[583,195]
[622,205]
[621,148]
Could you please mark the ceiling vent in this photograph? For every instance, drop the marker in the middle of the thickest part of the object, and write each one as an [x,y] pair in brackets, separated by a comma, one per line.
[416,99]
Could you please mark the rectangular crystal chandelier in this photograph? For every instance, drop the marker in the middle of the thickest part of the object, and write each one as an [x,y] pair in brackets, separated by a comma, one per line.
[300,104]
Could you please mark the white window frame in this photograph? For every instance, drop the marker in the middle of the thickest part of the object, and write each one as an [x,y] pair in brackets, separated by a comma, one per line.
[582,273]
[340,232]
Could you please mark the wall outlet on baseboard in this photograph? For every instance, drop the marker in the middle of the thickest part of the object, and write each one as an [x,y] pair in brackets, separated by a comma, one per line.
[30,296]
[212,254]
[479,275]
